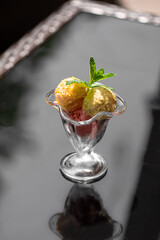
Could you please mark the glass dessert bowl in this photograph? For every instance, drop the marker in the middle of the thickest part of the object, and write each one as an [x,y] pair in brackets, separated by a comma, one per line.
[84,165]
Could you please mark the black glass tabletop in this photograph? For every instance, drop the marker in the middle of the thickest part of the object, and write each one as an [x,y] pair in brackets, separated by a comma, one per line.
[36,201]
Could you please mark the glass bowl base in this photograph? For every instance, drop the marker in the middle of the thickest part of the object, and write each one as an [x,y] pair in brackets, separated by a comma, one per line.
[87,168]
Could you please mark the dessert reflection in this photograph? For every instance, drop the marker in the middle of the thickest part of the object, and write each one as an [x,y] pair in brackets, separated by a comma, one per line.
[84,217]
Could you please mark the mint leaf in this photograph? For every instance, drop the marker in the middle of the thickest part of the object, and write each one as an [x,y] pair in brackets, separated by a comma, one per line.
[100,85]
[78,81]
[73,81]
[108,75]
[92,69]
[99,77]
[112,89]
[99,74]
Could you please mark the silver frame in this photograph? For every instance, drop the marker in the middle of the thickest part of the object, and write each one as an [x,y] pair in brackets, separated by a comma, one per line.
[55,21]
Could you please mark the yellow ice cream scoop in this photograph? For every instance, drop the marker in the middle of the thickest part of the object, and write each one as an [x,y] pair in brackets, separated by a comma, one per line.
[99,99]
[70,97]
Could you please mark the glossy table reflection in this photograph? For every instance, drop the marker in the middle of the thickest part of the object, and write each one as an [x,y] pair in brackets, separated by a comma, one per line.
[32,140]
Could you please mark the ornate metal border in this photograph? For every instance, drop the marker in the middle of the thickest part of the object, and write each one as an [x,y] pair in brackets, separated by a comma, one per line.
[55,21]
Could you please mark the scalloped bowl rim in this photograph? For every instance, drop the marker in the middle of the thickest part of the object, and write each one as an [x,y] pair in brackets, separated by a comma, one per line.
[78,123]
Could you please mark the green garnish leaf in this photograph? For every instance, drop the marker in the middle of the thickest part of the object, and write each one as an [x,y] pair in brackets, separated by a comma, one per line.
[104,76]
[100,85]
[112,89]
[99,74]
[92,69]
[78,81]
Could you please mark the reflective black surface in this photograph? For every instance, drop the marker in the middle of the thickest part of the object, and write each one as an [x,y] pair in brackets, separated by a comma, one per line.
[33,141]
[84,216]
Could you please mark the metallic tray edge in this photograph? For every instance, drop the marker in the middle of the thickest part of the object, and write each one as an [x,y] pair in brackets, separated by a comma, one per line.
[56,20]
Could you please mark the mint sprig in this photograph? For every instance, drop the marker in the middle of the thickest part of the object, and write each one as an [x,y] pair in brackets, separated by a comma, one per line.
[99,74]
[95,76]
[76,80]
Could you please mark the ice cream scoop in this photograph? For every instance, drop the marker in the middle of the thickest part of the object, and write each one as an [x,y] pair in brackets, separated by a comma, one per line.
[84,130]
[70,97]
[99,99]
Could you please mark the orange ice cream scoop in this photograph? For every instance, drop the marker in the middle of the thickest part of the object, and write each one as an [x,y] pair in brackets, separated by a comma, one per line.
[70,97]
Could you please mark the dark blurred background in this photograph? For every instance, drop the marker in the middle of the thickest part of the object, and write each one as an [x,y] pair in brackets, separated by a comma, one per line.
[18,17]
